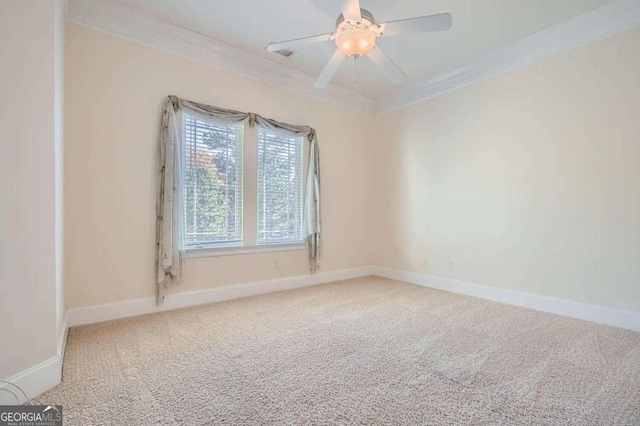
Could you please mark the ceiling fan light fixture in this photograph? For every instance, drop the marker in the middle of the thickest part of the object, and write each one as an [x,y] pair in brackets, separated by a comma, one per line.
[355,36]
[355,42]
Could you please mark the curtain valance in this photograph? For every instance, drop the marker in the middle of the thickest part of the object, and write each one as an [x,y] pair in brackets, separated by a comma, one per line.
[169,246]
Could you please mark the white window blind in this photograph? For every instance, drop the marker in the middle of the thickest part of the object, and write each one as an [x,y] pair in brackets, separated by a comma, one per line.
[212,182]
[280,167]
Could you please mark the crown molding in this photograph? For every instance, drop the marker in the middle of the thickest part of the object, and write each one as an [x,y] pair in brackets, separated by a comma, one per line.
[132,25]
[613,18]
[109,17]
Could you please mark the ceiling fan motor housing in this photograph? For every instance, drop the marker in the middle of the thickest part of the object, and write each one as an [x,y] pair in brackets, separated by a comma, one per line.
[366,16]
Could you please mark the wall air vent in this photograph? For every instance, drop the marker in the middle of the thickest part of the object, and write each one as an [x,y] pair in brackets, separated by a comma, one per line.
[284,52]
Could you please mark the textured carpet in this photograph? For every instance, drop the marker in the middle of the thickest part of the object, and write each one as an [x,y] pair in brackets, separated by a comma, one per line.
[365,351]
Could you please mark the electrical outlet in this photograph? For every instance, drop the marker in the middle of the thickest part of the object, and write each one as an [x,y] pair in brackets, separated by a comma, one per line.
[452,266]
[276,265]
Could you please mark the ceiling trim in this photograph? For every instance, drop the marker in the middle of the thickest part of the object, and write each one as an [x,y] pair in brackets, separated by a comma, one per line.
[603,22]
[127,23]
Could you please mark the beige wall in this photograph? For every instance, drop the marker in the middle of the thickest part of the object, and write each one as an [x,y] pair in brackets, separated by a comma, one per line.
[527,181]
[30,221]
[114,93]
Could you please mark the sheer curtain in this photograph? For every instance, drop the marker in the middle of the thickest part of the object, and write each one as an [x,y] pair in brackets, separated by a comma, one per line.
[169,247]
[169,252]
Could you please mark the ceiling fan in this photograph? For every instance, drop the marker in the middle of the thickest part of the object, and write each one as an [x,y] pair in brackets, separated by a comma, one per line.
[355,36]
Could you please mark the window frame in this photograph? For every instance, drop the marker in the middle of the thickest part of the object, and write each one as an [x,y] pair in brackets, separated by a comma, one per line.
[240,187]
[302,182]
[249,243]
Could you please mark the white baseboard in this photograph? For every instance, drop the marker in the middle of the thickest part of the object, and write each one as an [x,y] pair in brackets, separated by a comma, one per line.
[32,381]
[37,379]
[584,311]
[134,307]
[62,338]
[147,305]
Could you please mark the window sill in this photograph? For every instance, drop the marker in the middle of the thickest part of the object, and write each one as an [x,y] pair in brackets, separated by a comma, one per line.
[239,250]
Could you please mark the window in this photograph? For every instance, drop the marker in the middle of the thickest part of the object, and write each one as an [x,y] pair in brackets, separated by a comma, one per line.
[280,163]
[242,188]
[212,176]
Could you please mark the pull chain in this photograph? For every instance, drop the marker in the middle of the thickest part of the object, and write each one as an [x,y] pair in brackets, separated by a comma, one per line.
[355,70]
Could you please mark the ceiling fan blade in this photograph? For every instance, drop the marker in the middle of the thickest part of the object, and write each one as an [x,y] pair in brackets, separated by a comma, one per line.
[272,47]
[423,24]
[389,67]
[329,70]
[351,10]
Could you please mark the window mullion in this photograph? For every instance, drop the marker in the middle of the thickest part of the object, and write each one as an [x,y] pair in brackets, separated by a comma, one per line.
[250,192]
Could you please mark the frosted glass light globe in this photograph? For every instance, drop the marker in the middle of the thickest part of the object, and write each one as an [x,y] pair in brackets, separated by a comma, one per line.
[355,42]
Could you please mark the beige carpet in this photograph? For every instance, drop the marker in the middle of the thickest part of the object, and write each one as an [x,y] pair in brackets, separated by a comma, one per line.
[366,351]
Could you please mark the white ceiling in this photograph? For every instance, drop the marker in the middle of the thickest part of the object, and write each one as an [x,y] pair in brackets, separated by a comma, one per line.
[479,26]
